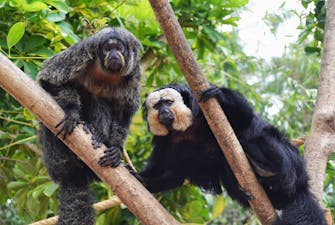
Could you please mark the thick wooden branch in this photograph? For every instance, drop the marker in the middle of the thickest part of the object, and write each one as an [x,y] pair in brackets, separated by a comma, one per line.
[213,112]
[321,142]
[138,200]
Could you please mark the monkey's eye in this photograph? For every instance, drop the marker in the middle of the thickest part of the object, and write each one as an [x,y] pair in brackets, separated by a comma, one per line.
[114,45]
[157,105]
[168,102]
[165,102]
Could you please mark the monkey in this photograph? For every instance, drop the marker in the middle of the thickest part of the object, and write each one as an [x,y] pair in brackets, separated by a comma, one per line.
[97,83]
[185,148]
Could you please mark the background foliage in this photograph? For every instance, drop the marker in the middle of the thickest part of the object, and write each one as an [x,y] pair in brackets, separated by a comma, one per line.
[282,90]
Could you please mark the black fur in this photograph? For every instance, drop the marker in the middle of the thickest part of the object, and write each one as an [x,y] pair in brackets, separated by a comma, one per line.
[196,156]
[103,101]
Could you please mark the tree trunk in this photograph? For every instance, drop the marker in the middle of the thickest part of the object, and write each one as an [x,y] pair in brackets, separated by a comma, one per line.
[213,112]
[139,201]
[321,142]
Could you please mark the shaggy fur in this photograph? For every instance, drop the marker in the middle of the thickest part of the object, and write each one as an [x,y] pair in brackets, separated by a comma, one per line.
[97,83]
[194,154]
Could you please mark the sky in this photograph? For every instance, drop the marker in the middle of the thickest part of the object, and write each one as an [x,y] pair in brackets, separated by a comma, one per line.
[256,36]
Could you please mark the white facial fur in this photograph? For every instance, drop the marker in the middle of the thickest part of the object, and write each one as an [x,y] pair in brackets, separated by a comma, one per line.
[183,114]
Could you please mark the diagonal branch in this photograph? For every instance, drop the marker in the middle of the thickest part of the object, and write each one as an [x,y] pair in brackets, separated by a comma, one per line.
[213,112]
[139,201]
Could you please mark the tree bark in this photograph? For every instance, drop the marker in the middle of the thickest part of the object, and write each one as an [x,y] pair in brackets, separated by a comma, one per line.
[321,142]
[213,112]
[138,200]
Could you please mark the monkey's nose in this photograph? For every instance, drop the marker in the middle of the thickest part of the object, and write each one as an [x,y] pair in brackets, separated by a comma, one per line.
[114,62]
[166,118]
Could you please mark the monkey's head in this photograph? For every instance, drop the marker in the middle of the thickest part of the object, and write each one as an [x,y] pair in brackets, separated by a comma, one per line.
[118,51]
[170,109]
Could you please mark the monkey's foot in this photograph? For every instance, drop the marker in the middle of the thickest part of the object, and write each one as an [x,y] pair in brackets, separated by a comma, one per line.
[112,157]
[68,123]
[97,137]
[211,92]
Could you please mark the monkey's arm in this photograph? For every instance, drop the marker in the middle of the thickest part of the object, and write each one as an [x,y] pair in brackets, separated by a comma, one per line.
[68,99]
[117,136]
[167,180]
[238,111]
[68,64]
[160,175]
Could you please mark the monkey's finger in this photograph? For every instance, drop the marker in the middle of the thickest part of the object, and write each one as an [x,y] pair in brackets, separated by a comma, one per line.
[113,162]
[60,131]
[111,158]
[97,140]
[61,122]
[112,151]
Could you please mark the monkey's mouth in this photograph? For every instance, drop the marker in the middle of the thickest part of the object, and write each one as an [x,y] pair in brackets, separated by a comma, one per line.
[166,119]
[114,62]
[113,65]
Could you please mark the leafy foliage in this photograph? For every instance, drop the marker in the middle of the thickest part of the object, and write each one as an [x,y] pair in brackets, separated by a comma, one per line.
[314,25]
[32,31]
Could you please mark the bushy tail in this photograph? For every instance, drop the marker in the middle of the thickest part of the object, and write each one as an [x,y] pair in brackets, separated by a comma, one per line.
[75,206]
[303,210]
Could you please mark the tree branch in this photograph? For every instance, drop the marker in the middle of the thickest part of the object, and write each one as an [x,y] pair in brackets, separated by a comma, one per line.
[139,201]
[213,112]
[321,142]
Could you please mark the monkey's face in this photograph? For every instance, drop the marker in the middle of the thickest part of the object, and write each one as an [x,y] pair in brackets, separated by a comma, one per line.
[118,52]
[167,112]
[112,55]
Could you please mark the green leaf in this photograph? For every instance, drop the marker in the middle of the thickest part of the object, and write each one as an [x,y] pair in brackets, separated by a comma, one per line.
[50,189]
[30,69]
[19,174]
[56,17]
[60,5]
[15,185]
[34,6]
[68,34]
[15,34]
[219,206]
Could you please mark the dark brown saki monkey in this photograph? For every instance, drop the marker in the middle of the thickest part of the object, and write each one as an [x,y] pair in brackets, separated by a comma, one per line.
[185,148]
[96,82]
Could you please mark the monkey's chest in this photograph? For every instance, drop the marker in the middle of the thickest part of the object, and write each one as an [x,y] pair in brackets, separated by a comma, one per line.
[101,113]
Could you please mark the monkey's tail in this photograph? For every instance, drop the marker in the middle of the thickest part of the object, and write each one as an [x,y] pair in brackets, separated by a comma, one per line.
[75,205]
[303,210]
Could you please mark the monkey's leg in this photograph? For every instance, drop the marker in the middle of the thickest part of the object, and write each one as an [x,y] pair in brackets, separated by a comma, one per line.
[75,205]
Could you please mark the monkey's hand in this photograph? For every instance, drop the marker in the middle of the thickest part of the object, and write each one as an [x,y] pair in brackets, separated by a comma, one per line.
[211,92]
[68,123]
[112,157]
